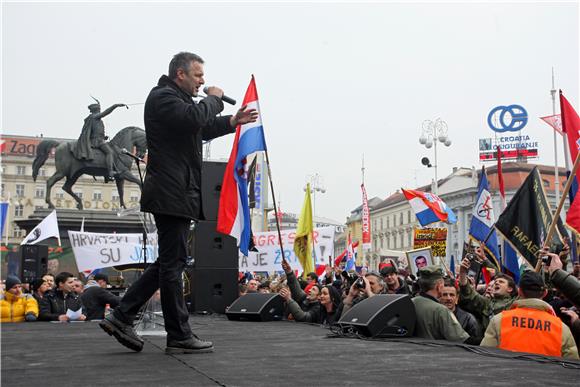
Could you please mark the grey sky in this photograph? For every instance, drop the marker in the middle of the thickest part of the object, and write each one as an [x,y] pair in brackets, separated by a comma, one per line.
[335,80]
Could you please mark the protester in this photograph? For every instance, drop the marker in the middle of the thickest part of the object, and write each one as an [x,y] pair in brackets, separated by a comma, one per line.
[175,126]
[77,287]
[49,278]
[55,305]
[96,297]
[395,284]
[363,288]
[530,325]
[435,321]
[16,306]
[264,287]
[330,305]
[565,282]
[483,308]
[449,298]
[253,286]
[39,289]
[304,307]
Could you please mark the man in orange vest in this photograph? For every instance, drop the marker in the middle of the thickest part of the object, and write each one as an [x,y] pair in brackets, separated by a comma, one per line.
[531,325]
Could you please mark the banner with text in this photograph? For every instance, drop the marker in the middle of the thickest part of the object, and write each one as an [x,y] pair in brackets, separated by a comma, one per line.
[96,250]
[269,255]
[434,237]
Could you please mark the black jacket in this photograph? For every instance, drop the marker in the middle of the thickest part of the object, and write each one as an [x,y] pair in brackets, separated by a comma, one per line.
[56,303]
[95,299]
[568,285]
[175,127]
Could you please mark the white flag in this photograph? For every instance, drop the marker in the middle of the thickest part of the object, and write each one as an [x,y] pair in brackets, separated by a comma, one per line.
[46,229]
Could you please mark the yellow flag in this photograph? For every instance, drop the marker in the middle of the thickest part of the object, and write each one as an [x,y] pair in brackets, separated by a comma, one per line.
[303,239]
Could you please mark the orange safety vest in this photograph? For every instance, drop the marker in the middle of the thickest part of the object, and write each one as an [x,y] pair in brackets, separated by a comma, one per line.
[531,330]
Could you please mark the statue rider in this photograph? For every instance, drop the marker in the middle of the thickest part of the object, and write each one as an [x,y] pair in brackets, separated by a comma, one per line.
[93,137]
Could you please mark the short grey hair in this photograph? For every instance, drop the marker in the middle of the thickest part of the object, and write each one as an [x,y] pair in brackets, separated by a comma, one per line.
[182,61]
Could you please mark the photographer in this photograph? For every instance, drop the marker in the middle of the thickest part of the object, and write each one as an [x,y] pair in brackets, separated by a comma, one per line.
[483,308]
[364,287]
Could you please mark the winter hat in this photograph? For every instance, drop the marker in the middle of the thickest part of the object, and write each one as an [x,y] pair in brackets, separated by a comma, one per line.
[12,281]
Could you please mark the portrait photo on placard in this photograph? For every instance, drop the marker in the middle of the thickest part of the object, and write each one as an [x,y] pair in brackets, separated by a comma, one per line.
[419,258]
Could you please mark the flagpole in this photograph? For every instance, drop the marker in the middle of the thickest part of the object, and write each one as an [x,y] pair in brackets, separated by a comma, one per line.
[559,209]
[556,169]
[275,206]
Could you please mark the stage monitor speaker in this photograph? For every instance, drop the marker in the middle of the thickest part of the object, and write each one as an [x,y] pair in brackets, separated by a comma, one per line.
[212,249]
[257,307]
[33,262]
[212,290]
[381,315]
[212,175]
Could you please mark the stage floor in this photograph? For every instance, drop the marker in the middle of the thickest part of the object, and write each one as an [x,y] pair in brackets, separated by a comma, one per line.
[254,354]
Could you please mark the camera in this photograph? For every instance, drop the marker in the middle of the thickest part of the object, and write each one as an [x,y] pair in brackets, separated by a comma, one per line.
[547,260]
[360,283]
[471,256]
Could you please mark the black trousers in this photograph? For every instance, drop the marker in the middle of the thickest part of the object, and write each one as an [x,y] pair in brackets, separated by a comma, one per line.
[165,274]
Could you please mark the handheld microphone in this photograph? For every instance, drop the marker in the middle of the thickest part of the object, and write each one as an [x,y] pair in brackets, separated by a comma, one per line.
[136,158]
[225,98]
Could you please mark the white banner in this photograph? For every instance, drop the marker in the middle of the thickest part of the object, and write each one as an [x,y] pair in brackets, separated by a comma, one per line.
[96,250]
[269,255]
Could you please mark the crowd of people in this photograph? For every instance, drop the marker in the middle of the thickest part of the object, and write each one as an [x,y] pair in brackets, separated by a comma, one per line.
[539,315]
[63,298]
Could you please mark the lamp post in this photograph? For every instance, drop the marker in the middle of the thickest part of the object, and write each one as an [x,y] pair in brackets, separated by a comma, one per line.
[433,132]
[316,185]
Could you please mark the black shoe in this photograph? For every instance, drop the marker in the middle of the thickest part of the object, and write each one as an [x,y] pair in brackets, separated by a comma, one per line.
[191,345]
[124,333]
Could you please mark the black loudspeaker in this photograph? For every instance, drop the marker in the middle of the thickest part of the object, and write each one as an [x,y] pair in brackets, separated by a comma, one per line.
[212,175]
[257,307]
[33,262]
[213,290]
[212,249]
[381,315]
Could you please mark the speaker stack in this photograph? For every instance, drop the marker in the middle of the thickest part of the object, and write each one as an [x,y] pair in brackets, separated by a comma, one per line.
[383,315]
[257,307]
[214,279]
[33,262]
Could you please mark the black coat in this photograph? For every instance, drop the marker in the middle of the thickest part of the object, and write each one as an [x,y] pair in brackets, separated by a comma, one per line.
[175,126]
[56,303]
[95,299]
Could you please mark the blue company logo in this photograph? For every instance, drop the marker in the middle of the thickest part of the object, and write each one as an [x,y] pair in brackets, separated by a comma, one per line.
[510,118]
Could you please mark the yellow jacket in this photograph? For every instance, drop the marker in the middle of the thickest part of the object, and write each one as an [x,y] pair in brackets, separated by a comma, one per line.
[15,308]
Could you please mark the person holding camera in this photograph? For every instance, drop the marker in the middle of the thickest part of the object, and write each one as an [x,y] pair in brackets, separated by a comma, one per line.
[530,325]
[483,308]
[364,287]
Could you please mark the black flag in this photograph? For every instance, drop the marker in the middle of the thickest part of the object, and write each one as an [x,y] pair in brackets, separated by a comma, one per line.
[527,218]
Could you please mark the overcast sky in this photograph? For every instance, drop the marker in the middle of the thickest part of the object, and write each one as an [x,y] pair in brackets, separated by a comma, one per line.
[335,80]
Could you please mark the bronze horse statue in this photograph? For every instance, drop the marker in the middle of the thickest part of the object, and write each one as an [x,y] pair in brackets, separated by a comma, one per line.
[71,168]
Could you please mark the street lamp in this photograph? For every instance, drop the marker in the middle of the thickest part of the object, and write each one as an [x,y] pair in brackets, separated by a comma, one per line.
[433,132]
[316,185]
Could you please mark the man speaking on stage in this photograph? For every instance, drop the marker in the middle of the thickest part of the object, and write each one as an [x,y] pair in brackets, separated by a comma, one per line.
[175,126]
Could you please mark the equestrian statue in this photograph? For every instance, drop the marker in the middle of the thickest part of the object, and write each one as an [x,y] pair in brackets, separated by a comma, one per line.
[92,155]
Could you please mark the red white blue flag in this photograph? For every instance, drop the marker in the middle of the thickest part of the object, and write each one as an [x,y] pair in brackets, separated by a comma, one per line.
[234,209]
[429,208]
[350,257]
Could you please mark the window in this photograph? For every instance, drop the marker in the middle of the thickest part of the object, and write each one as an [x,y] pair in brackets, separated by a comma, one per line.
[546,183]
[39,192]
[18,210]
[42,172]
[97,195]
[388,223]
[17,232]
[382,223]
[401,218]
[21,170]
[382,243]
[135,196]
[59,195]
[19,190]
[409,216]
[79,194]
[115,196]
[2,193]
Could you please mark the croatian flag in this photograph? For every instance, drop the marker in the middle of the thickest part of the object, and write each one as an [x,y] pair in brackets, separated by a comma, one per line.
[349,255]
[234,209]
[429,208]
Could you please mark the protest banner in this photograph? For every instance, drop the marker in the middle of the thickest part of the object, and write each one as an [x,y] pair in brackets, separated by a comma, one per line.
[97,250]
[269,255]
[434,237]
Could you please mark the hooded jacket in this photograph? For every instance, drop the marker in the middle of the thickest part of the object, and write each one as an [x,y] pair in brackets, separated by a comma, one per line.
[15,308]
